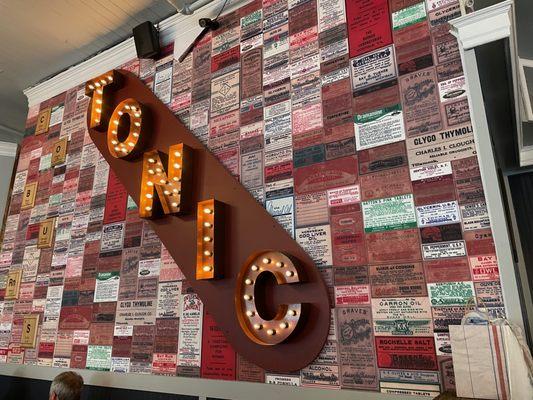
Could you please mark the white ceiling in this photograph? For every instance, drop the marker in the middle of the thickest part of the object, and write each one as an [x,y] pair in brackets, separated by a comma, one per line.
[39,38]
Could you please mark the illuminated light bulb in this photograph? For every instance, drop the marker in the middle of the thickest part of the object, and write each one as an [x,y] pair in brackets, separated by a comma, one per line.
[135,134]
[133,108]
[289,273]
[151,160]
[248,281]
[147,208]
[158,170]
[208,210]
[177,166]
[124,150]
[176,179]
[174,204]
[98,110]
[207,268]
[175,190]
[207,253]
[258,327]
[149,196]
[271,332]
[266,260]
[255,267]
[207,238]
[166,192]
[177,154]
[151,171]
[162,181]
[96,120]
[115,121]
[127,107]
[99,91]
[207,224]
[114,142]
[117,148]
[103,81]
[97,84]
[110,78]
[247,297]
[91,87]
[98,101]
[137,123]
[284,325]
[292,313]
[120,113]
[250,313]
[131,144]
[137,114]
[279,264]
[114,132]
[150,183]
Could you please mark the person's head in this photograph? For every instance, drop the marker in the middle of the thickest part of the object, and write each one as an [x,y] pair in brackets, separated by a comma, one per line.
[66,386]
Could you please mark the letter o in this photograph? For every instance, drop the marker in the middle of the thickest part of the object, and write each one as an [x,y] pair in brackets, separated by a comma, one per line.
[118,146]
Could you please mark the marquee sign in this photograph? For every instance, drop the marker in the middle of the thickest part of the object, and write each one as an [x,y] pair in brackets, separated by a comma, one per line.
[260,286]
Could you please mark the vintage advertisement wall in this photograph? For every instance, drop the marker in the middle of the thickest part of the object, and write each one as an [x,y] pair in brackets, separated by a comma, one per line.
[349,122]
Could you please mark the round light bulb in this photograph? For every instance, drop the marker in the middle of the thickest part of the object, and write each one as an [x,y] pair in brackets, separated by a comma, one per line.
[91,87]
[150,183]
[284,325]
[255,267]
[247,297]
[289,274]
[279,264]
[174,204]
[292,313]
[177,166]
[151,160]
[207,210]
[207,253]
[147,208]
[271,332]
[149,196]
[207,268]
[207,239]
[207,225]
[258,326]
[250,313]
[266,260]
[248,281]
[177,153]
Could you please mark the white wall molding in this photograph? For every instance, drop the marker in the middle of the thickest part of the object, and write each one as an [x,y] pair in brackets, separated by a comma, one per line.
[476,29]
[234,390]
[184,27]
[8,149]
[484,26]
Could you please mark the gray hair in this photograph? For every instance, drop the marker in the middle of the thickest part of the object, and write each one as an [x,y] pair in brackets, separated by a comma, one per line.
[67,386]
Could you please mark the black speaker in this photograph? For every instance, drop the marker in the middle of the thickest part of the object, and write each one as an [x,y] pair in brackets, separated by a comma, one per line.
[146,39]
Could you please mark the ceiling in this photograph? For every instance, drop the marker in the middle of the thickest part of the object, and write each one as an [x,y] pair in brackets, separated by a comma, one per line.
[41,38]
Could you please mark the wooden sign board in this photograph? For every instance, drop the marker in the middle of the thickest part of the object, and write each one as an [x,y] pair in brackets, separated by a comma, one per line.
[46,233]
[13,285]
[28,197]
[29,331]
[59,152]
[43,121]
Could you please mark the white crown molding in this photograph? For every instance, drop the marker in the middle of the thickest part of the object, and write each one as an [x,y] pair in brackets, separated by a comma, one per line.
[177,25]
[484,26]
[8,149]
